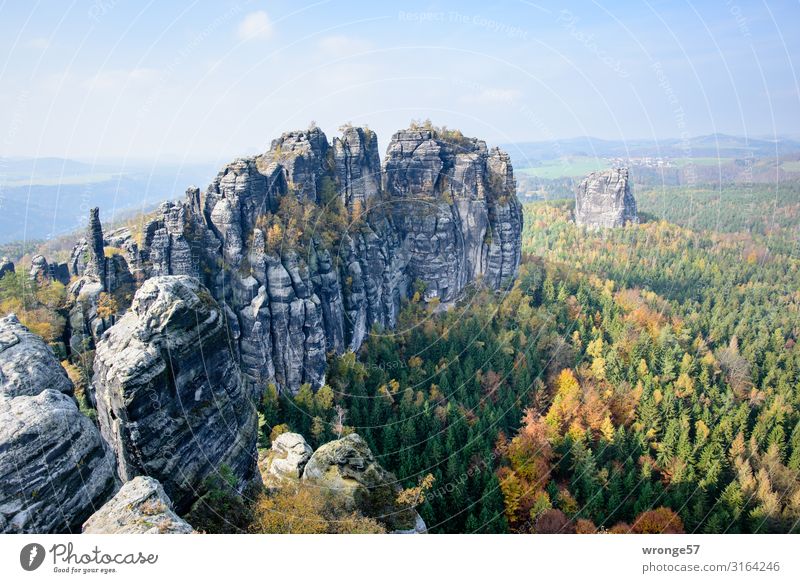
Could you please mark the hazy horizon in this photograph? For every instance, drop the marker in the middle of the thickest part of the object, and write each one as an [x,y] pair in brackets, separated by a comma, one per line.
[107,80]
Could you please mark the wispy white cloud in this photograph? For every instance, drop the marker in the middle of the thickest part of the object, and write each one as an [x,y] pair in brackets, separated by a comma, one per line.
[255,25]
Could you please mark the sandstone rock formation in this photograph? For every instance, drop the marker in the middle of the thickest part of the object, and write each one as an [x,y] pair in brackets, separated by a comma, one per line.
[455,206]
[45,272]
[285,460]
[347,470]
[95,274]
[309,245]
[27,365]
[6,266]
[140,507]
[604,199]
[55,470]
[168,391]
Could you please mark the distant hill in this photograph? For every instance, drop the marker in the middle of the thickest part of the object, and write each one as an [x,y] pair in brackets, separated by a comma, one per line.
[714,145]
[42,198]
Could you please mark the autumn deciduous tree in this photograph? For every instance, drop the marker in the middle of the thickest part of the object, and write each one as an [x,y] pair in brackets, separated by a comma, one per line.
[303,510]
[523,482]
[658,521]
[553,521]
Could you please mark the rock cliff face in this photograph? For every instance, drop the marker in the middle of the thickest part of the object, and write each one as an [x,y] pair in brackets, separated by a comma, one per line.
[169,396]
[604,199]
[454,204]
[140,507]
[55,469]
[309,245]
[27,365]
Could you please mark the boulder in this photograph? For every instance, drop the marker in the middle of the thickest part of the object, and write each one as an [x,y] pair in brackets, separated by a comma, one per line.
[55,470]
[347,470]
[285,460]
[140,507]
[40,269]
[604,199]
[169,395]
[27,365]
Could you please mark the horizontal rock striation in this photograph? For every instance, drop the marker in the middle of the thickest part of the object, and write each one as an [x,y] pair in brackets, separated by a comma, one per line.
[169,396]
[308,246]
[604,199]
[27,365]
[54,467]
[454,204]
[55,470]
[140,507]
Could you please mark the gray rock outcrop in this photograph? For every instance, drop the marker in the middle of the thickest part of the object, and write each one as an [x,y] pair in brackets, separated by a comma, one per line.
[285,460]
[96,274]
[55,470]
[296,277]
[169,396]
[44,272]
[6,266]
[140,507]
[454,203]
[347,470]
[40,269]
[604,199]
[27,365]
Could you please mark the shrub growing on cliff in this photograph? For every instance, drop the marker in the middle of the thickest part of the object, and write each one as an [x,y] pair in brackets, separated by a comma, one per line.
[302,510]
[36,304]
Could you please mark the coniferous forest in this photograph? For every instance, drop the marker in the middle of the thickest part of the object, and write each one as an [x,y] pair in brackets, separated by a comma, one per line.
[642,379]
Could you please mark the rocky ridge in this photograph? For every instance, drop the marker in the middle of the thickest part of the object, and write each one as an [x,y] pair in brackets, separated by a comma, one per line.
[309,245]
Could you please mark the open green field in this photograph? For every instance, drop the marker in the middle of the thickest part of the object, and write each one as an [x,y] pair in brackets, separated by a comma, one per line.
[700,161]
[572,166]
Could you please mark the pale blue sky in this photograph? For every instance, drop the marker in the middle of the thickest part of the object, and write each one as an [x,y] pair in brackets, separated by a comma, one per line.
[209,80]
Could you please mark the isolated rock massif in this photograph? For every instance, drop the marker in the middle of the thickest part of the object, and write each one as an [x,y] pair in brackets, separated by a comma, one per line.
[168,391]
[604,199]
[309,245]
[55,469]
